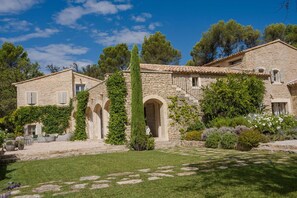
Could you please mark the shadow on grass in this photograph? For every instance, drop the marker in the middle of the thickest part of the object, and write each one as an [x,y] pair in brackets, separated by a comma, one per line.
[5,160]
[267,178]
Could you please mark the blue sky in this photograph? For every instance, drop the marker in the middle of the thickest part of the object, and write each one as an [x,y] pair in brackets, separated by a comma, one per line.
[61,32]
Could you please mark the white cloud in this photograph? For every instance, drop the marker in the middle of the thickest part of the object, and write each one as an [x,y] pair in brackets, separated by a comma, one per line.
[14,25]
[70,15]
[142,17]
[59,55]
[16,6]
[37,34]
[120,36]
[154,25]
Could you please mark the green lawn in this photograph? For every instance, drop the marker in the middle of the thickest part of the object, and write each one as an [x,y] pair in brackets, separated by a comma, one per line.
[222,173]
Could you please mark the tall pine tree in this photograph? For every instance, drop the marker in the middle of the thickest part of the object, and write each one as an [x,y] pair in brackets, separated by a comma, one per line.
[138,137]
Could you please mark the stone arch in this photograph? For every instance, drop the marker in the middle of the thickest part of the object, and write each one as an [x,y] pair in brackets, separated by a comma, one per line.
[89,123]
[156,116]
[97,118]
[106,109]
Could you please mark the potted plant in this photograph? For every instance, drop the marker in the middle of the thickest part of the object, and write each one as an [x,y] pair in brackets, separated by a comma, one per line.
[10,145]
[21,144]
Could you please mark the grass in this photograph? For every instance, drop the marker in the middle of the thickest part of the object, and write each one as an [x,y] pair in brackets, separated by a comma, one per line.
[259,175]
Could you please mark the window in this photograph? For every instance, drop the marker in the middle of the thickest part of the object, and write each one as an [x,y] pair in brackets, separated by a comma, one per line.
[31,130]
[195,81]
[276,76]
[62,97]
[79,88]
[31,98]
[279,108]
[235,62]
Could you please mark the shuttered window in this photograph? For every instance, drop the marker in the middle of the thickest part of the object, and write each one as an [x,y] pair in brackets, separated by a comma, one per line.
[79,88]
[277,76]
[31,98]
[62,97]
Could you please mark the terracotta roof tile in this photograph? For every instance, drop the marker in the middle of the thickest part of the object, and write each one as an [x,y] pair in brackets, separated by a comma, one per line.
[197,70]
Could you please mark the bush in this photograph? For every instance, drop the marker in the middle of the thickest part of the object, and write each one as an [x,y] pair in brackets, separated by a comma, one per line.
[249,139]
[291,133]
[207,132]
[272,124]
[213,140]
[150,143]
[229,122]
[288,122]
[232,96]
[193,135]
[196,126]
[228,140]
[223,130]
[239,129]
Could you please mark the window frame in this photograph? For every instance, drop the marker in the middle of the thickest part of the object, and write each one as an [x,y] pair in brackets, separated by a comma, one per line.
[80,84]
[198,82]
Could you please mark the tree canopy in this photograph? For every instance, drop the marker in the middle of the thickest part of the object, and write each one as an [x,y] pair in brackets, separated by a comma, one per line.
[157,50]
[287,33]
[223,39]
[114,58]
[232,96]
[15,66]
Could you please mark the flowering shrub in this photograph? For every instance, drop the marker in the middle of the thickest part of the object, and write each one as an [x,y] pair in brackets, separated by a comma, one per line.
[271,124]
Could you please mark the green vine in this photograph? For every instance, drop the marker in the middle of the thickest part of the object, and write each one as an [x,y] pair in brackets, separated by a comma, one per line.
[117,92]
[182,113]
[80,119]
[55,119]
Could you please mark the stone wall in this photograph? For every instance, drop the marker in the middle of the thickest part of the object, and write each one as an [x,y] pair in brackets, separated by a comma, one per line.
[47,88]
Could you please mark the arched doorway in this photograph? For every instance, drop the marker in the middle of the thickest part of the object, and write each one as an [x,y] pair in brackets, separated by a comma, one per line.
[106,117]
[89,123]
[98,126]
[155,112]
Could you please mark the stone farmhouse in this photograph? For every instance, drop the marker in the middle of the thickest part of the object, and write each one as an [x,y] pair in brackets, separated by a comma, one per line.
[275,63]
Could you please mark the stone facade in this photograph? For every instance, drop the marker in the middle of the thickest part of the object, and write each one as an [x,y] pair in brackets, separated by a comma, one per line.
[48,90]
[159,82]
[273,56]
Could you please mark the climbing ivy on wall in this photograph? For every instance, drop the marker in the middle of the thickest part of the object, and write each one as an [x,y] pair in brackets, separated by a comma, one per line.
[117,92]
[55,119]
[182,113]
[80,119]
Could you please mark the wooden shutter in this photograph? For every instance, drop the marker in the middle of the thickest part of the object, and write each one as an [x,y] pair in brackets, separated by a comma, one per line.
[60,97]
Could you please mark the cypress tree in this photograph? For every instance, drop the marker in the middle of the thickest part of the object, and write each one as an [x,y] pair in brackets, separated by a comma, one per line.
[138,137]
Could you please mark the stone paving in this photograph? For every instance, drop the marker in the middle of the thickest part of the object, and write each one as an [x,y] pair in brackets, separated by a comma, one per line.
[64,149]
[209,160]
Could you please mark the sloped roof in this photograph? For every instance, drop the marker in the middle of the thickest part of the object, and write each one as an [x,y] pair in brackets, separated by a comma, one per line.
[292,83]
[248,50]
[197,70]
[53,74]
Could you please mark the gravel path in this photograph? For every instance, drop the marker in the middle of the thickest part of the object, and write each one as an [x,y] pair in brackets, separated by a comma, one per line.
[63,149]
